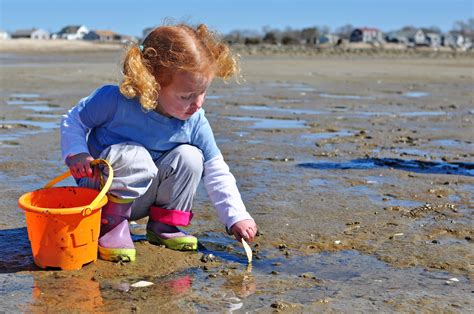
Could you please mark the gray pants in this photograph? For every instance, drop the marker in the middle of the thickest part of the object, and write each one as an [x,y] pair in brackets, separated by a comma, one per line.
[170,182]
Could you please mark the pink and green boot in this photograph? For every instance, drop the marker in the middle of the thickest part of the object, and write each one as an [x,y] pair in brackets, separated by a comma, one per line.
[162,229]
[115,241]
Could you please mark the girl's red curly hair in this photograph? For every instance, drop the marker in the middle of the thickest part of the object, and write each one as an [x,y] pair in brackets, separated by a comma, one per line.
[168,49]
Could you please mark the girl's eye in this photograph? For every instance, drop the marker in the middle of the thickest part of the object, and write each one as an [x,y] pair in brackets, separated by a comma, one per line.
[186,97]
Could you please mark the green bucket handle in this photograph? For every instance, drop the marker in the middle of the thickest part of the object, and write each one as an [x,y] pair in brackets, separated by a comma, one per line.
[88,209]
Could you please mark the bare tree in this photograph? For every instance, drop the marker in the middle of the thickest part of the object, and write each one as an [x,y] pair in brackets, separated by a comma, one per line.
[270,38]
[345,31]
[310,35]
[465,28]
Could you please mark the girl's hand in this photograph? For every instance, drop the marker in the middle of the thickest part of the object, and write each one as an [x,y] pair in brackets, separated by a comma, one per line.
[80,165]
[244,229]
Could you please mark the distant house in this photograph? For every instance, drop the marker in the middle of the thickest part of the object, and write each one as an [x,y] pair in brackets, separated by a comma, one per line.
[71,32]
[452,40]
[366,35]
[411,37]
[456,40]
[328,39]
[309,36]
[33,33]
[414,37]
[433,39]
[4,34]
[102,35]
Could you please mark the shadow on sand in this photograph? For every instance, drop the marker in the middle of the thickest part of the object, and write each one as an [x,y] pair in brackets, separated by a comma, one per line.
[15,251]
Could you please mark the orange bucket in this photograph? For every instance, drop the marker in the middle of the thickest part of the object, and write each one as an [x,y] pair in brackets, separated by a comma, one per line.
[64,222]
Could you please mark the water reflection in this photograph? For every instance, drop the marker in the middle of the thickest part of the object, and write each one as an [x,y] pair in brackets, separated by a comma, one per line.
[456,168]
[261,123]
[415,94]
[56,293]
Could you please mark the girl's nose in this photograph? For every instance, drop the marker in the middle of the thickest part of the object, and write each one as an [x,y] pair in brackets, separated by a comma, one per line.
[199,101]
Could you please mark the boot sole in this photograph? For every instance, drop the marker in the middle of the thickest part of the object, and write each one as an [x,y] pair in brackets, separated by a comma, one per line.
[188,243]
[117,255]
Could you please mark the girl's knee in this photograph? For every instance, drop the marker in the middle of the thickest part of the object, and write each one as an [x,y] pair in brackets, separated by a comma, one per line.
[191,158]
[130,155]
[184,159]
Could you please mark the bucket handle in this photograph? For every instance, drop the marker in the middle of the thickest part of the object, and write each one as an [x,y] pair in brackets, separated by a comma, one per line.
[88,209]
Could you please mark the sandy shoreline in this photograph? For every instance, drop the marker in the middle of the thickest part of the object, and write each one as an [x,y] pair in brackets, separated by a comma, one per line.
[29,46]
[59,45]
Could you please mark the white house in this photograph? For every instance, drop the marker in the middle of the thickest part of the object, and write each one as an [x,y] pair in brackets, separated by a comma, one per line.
[33,33]
[71,32]
[433,39]
[366,35]
[456,40]
[413,37]
[328,39]
[4,34]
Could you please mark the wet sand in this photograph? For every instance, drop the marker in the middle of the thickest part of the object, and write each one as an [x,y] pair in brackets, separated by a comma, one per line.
[359,171]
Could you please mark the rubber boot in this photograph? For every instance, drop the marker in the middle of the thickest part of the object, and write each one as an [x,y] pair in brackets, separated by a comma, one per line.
[115,241]
[162,229]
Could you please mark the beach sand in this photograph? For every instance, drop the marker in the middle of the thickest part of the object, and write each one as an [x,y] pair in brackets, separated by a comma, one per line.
[357,168]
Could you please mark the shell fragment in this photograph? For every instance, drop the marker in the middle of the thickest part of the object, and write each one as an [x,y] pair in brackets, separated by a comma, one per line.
[141,284]
[248,251]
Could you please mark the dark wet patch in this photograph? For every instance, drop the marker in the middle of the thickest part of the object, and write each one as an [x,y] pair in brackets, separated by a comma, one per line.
[8,143]
[15,251]
[419,166]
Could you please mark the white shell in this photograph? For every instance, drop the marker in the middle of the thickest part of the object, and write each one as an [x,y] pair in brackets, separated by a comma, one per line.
[248,250]
[141,284]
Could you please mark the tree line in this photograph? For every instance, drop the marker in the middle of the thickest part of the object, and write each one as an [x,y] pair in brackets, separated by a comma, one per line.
[290,36]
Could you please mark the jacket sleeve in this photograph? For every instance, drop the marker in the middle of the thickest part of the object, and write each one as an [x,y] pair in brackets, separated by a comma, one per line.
[92,111]
[221,187]
[73,134]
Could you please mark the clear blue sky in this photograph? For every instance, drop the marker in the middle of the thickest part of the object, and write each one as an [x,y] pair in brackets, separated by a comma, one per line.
[132,16]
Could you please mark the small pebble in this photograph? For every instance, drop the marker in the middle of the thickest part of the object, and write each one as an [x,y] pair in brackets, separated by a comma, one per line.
[208,258]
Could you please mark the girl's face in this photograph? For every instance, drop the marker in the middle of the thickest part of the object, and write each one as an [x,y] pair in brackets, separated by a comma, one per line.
[184,96]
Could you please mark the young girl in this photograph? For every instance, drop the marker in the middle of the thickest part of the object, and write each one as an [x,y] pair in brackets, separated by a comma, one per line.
[153,131]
